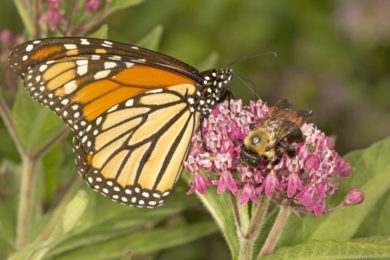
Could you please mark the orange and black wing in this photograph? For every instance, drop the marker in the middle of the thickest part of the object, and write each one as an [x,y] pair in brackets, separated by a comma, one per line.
[127,107]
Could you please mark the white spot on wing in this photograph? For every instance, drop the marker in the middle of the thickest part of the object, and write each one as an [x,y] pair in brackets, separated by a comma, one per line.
[101,74]
[42,67]
[70,86]
[158,90]
[115,57]
[29,47]
[99,120]
[113,108]
[81,70]
[70,46]
[129,64]
[129,103]
[84,41]
[109,64]
[65,101]
[82,62]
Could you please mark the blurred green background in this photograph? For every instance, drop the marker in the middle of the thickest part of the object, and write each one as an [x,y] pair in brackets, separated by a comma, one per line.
[333,58]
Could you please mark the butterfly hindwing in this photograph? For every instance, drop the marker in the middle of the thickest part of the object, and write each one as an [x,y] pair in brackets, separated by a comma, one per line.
[134,152]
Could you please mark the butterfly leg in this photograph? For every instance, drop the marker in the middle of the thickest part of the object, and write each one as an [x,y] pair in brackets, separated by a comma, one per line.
[202,137]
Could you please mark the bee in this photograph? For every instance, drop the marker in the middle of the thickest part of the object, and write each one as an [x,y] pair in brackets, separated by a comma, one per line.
[274,134]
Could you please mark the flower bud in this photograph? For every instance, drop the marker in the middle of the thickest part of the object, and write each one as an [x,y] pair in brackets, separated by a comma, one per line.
[312,162]
[343,168]
[5,36]
[354,197]
[92,5]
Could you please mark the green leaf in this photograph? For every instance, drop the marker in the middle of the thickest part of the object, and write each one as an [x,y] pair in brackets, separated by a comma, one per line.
[373,248]
[35,124]
[71,216]
[151,41]
[101,33]
[371,174]
[74,211]
[141,242]
[118,5]
[109,220]
[9,173]
[377,222]
[220,207]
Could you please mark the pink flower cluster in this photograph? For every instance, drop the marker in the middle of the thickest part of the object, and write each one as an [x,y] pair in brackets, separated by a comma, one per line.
[304,181]
[53,15]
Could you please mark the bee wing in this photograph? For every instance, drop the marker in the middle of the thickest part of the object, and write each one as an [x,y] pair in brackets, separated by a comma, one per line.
[303,116]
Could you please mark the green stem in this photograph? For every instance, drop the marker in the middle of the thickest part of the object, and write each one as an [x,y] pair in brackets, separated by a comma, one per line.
[245,220]
[275,231]
[25,201]
[27,21]
[246,249]
[249,234]
[58,136]
[257,219]
[37,13]
[60,209]
[236,213]
[9,123]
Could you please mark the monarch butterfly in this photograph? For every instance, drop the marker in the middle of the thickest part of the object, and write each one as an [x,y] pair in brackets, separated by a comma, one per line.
[132,110]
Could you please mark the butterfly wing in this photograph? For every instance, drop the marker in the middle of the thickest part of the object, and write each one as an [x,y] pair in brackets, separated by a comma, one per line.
[134,153]
[127,107]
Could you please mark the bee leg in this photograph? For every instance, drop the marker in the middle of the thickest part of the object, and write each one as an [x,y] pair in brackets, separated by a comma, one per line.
[279,155]
[289,149]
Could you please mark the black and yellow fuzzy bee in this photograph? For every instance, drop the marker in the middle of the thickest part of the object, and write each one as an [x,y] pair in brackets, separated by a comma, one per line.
[276,132]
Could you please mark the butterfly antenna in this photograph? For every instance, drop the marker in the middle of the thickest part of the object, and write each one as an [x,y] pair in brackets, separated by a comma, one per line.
[253,56]
[246,82]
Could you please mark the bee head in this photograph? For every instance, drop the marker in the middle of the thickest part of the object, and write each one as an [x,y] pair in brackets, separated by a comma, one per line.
[258,140]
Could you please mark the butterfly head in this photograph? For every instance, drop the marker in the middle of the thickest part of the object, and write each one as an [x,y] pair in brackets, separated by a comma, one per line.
[214,89]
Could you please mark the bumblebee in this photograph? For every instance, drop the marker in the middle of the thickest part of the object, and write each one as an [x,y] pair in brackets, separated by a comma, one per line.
[274,134]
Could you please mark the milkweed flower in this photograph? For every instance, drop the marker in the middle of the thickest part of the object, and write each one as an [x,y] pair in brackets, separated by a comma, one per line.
[53,15]
[304,181]
[92,5]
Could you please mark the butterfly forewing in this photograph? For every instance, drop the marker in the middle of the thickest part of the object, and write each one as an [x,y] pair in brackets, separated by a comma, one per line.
[133,111]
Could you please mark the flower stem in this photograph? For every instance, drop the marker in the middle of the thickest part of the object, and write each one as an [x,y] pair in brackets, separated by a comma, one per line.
[37,14]
[25,201]
[257,219]
[70,16]
[58,136]
[60,209]
[249,234]
[246,249]
[235,211]
[275,231]
[26,18]
[9,123]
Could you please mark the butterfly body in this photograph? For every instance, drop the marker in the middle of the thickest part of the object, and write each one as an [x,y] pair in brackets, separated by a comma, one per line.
[133,111]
